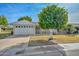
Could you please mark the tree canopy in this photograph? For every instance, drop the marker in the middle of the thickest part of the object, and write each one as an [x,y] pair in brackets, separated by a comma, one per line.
[25,18]
[53,17]
[3,21]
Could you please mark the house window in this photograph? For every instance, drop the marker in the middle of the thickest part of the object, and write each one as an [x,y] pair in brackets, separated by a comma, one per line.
[18,26]
[21,26]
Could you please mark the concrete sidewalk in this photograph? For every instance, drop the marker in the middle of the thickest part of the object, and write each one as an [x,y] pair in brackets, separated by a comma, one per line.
[71,49]
[70,46]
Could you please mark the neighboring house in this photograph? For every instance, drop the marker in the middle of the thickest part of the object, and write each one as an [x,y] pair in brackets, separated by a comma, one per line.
[75,24]
[23,28]
[10,25]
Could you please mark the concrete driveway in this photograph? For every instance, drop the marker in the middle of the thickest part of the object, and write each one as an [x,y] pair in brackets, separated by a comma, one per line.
[11,41]
[18,46]
[22,50]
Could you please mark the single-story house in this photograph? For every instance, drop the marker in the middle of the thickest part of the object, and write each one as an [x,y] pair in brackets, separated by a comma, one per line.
[30,28]
[23,28]
[75,24]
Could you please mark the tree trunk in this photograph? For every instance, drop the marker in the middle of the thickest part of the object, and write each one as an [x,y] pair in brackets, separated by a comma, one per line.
[50,35]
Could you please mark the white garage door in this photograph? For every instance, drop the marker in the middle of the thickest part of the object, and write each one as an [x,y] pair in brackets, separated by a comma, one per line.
[24,31]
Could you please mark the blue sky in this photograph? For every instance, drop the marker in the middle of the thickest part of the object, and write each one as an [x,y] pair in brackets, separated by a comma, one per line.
[13,11]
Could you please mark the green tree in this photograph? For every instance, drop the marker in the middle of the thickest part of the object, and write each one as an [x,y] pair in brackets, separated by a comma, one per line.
[3,21]
[25,18]
[53,17]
